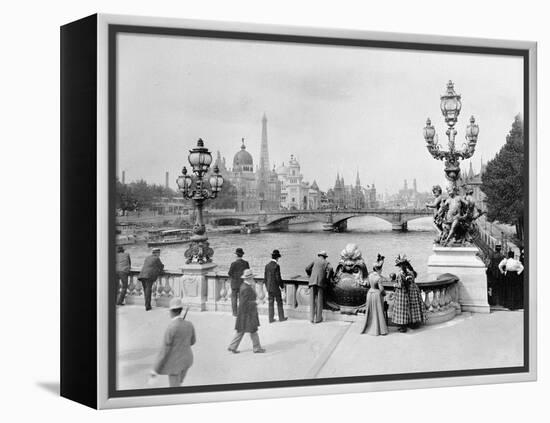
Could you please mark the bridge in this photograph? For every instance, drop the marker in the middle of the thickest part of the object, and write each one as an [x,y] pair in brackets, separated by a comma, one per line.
[333,219]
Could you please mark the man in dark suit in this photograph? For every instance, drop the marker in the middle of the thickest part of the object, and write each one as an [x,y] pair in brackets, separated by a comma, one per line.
[152,268]
[247,315]
[274,284]
[235,272]
[320,273]
[175,357]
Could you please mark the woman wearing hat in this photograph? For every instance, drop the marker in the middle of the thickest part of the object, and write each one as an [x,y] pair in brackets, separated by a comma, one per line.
[375,321]
[408,307]
[247,315]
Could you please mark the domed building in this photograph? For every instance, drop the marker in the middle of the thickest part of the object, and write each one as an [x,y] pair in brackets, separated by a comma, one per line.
[243,177]
[258,190]
[243,162]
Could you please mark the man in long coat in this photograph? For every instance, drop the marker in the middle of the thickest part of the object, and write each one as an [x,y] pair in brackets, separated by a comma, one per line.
[235,272]
[175,357]
[274,284]
[320,273]
[152,268]
[247,316]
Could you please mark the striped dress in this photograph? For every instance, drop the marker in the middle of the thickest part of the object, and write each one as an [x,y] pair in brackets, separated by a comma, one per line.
[401,305]
[418,309]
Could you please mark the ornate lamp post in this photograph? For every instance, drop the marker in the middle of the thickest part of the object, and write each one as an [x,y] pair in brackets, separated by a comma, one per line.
[450,108]
[194,187]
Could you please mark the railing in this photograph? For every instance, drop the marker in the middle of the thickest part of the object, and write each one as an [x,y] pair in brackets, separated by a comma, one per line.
[440,296]
[488,237]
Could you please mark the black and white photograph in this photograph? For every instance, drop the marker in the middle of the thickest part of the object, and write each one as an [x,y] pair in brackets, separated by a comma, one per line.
[278,211]
[301,211]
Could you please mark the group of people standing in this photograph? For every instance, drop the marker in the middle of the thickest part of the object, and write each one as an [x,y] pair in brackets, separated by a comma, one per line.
[152,268]
[408,307]
[244,298]
[505,279]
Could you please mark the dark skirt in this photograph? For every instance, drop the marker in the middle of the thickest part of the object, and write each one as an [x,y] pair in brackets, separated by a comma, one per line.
[512,295]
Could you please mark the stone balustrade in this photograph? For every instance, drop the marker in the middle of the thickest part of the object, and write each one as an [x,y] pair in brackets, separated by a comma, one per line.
[213,293]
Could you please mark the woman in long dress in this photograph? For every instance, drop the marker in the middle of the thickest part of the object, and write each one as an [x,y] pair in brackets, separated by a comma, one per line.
[513,282]
[418,308]
[375,320]
[401,315]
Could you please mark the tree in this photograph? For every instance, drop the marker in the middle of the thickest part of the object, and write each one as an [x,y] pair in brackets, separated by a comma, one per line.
[503,181]
[125,198]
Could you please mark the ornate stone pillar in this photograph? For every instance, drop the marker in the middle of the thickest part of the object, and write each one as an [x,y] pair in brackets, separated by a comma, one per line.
[195,285]
[464,263]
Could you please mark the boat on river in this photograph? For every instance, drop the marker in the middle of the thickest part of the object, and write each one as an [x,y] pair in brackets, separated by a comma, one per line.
[168,236]
[250,227]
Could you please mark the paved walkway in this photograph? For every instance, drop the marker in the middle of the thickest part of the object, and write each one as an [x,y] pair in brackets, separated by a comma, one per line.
[296,349]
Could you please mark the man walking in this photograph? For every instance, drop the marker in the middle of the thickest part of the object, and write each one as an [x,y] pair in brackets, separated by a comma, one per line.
[320,273]
[247,315]
[123,264]
[152,268]
[235,272]
[175,357]
[274,284]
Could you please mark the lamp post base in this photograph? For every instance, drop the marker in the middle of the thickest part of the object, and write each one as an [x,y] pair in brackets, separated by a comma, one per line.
[464,263]
[195,285]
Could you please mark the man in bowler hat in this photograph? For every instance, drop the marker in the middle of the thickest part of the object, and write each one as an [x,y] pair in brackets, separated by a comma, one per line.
[247,315]
[235,272]
[152,268]
[175,357]
[320,273]
[274,284]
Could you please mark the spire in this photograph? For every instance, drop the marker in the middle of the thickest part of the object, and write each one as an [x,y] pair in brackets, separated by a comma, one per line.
[264,154]
[357,180]
[405,187]
[414,185]
[471,171]
[242,145]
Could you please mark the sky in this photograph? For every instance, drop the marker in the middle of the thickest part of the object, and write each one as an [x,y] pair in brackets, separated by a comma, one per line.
[337,109]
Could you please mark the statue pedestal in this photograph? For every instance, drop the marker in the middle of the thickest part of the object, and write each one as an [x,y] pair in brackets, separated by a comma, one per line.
[462,262]
[194,285]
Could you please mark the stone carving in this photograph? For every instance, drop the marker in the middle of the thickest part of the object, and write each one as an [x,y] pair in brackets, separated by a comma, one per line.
[191,285]
[347,291]
[199,252]
[458,216]
[437,206]
[454,216]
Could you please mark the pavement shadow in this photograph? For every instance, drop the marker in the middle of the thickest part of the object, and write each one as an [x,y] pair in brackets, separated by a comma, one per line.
[51,387]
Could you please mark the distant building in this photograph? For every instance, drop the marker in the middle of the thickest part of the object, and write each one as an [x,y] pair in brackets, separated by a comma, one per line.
[408,198]
[295,193]
[474,180]
[352,196]
[256,190]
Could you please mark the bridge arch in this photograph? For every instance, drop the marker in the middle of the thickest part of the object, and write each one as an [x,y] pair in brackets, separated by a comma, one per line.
[227,221]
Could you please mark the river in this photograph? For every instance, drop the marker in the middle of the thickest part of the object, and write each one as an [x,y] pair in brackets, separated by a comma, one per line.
[300,244]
